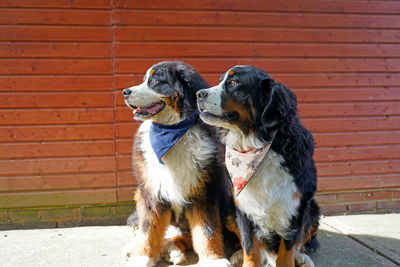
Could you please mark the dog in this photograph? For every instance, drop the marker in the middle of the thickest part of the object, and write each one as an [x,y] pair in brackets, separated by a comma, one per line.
[180,169]
[277,215]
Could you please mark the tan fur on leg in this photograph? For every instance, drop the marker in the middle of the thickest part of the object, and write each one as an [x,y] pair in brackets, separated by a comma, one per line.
[207,248]
[285,257]
[149,241]
[253,258]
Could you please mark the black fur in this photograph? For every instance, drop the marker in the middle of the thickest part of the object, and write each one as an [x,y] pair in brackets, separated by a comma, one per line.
[174,76]
[180,82]
[273,109]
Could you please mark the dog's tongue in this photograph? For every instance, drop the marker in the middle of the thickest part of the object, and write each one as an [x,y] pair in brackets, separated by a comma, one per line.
[153,109]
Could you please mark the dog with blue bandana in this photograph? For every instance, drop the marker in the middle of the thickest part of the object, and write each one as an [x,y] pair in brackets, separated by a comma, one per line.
[179,166]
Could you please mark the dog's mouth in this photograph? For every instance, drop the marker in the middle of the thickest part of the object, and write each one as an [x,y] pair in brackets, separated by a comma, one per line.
[149,110]
[226,116]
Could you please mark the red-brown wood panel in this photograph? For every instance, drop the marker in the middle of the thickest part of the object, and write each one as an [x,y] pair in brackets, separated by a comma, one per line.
[57,182]
[319,6]
[55,66]
[281,65]
[250,49]
[57,125]
[214,34]
[55,100]
[340,57]
[253,19]
[55,33]
[59,50]
[83,4]
[39,133]
[66,134]
[28,16]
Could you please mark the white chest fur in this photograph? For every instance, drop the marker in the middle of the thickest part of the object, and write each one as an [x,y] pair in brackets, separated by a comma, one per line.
[268,199]
[175,180]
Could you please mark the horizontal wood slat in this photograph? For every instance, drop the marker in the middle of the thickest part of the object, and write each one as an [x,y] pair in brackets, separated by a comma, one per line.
[49,17]
[282,65]
[57,182]
[65,149]
[253,19]
[211,34]
[56,133]
[57,66]
[55,83]
[54,50]
[221,50]
[55,33]
[342,6]
[37,199]
[358,168]
[84,4]
[357,138]
[357,153]
[359,182]
[352,124]
[57,166]
[56,116]
[55,100]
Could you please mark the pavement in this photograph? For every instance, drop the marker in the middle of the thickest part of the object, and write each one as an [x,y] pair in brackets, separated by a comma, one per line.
[352,240]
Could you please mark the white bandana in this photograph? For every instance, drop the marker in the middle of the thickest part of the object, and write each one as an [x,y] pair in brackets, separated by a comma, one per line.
[242,165]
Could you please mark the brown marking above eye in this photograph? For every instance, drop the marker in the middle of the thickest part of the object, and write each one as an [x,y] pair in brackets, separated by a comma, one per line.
[231,72]
[152,72]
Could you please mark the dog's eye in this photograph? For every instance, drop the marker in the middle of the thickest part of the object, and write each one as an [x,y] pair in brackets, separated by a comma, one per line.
[232,82]
[152,80]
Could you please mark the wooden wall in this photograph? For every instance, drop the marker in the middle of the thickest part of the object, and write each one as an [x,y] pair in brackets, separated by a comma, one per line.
[66,135]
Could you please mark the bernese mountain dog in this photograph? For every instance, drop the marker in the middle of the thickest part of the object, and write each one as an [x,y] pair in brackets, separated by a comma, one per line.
[269,156]
[179,166]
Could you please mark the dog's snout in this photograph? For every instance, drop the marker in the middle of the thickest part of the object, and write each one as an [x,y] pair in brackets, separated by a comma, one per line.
[126,92]
[202,94]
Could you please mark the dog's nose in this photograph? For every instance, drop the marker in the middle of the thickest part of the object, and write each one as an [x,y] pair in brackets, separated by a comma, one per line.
[202,94]
[126,92]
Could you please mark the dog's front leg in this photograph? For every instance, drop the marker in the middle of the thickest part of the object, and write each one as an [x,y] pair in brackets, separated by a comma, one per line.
[286,255]
[252,258]
[149,238]
[207,239]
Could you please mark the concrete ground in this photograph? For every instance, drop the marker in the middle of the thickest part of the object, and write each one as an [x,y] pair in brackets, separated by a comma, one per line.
[353,240]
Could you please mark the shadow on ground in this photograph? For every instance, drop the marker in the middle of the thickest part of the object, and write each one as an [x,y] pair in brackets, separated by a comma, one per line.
[339,250]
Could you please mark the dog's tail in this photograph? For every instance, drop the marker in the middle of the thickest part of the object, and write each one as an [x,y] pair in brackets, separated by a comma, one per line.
[133,219]
[312,244]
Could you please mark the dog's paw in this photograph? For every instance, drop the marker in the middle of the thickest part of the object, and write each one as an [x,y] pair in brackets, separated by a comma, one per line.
[215,263]
[237,258]
[140,261]
[303,260]
[174,254]
[127,250]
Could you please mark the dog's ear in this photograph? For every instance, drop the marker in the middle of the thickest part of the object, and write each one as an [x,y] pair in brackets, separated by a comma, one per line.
[190,81]
[281,103]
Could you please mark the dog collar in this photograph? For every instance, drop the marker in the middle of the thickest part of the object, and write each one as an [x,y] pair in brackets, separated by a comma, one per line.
[164,137]
[242,165]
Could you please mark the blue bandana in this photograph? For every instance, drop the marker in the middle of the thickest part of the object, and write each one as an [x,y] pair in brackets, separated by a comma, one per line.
[163,137]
